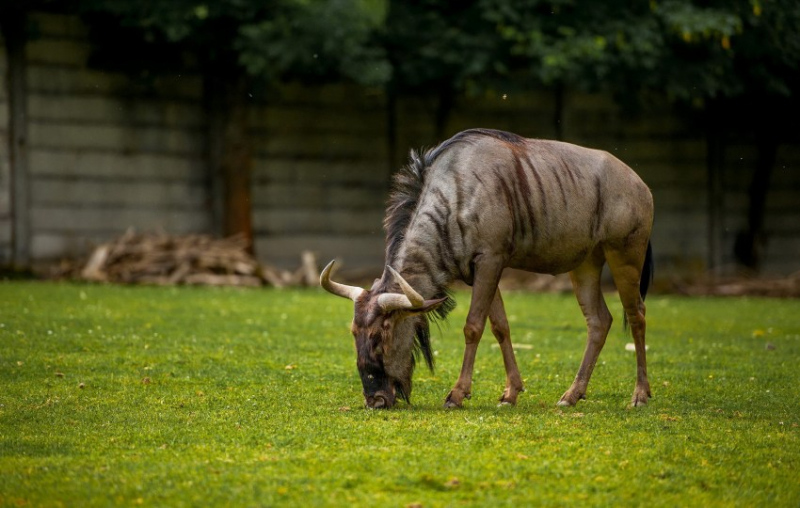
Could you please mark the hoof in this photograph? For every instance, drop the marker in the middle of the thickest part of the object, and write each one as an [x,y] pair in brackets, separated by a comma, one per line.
[507,401]
[509,397]
[639,400]
[570,399]
[455,399]
[640,396]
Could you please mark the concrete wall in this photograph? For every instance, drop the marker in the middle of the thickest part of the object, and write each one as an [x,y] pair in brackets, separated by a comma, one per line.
[782,216]
[5,163]
[107,152]
[321,175]
[669,157]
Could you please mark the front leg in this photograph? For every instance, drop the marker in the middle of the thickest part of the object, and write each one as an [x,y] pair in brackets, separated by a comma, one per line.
[487,275]
[463,387]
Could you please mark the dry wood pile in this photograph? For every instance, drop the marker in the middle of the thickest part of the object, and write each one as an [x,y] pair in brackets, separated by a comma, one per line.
[518,280]
[779,287]
[158,258]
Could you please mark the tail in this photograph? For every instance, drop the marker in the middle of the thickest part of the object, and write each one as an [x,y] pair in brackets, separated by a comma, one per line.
[647,272]
[646,278]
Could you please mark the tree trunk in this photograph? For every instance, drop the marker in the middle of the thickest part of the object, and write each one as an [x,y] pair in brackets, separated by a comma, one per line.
[715,156]
[230,154]
[750,243]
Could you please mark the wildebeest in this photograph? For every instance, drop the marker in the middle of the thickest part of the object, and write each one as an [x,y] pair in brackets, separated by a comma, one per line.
[482,201]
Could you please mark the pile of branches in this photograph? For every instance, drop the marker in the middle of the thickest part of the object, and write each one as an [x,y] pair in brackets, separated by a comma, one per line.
[161,259]
[519,280]
[778,287]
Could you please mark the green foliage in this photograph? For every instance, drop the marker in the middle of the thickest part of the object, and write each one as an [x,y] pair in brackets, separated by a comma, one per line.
[692,52]
[578,44]
[689,50]
[224,397]
[442,46]
[277,39]
[316,40]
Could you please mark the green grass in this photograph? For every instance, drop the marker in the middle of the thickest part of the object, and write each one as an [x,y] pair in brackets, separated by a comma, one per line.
[224,397]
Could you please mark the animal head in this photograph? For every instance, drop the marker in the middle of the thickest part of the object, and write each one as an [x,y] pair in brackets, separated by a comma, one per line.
[389,326]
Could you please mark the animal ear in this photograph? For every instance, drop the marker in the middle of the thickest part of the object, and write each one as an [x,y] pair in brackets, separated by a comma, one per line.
[427,306]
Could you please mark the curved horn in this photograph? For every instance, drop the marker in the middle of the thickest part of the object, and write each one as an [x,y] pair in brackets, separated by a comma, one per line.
[413,297]
[345,291]
[410,299]
[394,301]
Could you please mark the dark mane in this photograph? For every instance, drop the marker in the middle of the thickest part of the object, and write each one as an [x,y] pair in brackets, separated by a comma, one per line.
[422,342]
[407,184]
[507,137]
[406,189]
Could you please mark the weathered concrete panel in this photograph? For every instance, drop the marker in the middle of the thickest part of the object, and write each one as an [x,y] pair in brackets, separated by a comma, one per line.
[317,145]
[783,223]
[129,139]
[666,174]
[73,80]
[59,26]
[678,199]
[272,221]
[48,78]
[5,199]
[781,254]
[363,253]
[78,164]
[315,195]
[109,110]
[336,95]
[83,193]
[69,52]
[280,118]
[52,246]
[5,163]
[367,173]
[677,151]
[69,219]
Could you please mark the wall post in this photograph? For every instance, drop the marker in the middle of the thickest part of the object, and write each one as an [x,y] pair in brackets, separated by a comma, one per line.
[13,23]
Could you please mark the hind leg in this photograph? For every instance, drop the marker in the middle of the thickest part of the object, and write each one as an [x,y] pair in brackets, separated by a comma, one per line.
[502,332]
[586,283]
[626,268]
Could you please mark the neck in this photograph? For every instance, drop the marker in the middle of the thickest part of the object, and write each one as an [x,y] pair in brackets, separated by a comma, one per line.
[424,269]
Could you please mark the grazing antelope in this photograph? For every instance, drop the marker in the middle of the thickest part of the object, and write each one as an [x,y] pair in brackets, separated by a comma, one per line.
[482,201]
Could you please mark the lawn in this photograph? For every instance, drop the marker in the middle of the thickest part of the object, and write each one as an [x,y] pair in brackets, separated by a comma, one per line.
[228,397]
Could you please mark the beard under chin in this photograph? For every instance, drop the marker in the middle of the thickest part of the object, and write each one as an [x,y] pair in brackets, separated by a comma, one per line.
[403,390]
